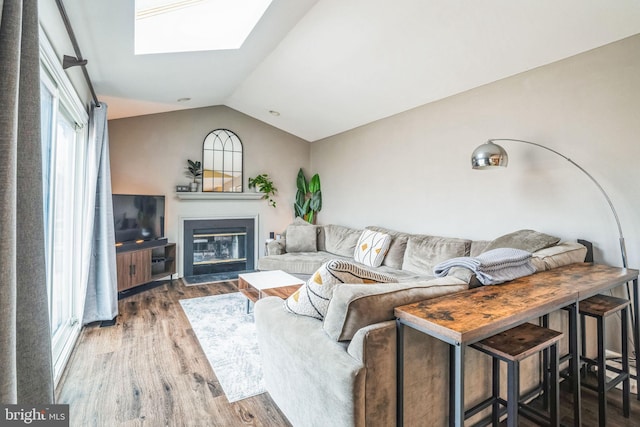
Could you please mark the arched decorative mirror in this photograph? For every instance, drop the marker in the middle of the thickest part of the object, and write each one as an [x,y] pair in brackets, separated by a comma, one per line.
[222,162]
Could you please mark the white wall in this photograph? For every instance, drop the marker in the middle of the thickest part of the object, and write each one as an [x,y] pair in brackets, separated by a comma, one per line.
[412,171]
[149,155]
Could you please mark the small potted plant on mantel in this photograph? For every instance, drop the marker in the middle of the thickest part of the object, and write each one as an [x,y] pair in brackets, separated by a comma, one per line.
[263,184]
[193,171]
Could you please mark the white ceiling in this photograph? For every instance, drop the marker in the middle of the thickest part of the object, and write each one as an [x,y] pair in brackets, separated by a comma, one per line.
[332,65]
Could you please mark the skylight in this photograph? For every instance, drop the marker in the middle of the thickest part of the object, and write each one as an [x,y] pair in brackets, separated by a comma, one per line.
[163,26]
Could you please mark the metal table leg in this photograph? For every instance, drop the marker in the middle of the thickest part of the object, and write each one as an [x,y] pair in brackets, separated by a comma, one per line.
[456,385]
[399,373]
[574,363]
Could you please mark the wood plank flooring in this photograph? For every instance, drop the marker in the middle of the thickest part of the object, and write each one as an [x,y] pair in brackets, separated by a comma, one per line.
[149,370]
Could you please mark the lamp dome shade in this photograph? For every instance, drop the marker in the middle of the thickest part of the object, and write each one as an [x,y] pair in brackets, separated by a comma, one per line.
[489,155]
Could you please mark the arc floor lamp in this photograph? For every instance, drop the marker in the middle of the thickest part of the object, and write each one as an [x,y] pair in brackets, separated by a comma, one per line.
[490,155]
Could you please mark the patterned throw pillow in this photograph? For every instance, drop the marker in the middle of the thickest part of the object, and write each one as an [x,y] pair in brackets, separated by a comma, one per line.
[312,299]
[371,248]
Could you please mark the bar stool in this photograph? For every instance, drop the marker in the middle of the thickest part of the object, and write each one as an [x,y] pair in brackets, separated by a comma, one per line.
[601,307]
[512,346]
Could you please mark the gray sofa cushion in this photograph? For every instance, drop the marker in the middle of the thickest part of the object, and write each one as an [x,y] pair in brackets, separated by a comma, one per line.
[398,245]
[301,238]
[424,252]
[527,240]
[340,240]
[356,306]
[296,263]
[477,247]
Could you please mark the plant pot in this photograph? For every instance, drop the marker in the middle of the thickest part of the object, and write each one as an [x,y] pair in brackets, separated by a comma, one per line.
[193,187]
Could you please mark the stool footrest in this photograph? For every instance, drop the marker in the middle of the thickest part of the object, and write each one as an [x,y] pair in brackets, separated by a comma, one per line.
[611,384]
[533,414]
[479,407]
[565,358]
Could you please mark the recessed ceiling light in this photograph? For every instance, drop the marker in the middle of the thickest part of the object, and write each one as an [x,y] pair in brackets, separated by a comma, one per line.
[163,26]
[274,113]
[184,99]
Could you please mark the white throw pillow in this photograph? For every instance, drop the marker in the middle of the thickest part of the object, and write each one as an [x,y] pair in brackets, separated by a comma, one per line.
[371,248]
[312,299]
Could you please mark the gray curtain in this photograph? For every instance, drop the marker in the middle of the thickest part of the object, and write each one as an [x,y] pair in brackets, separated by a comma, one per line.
[101,302]
[26,374]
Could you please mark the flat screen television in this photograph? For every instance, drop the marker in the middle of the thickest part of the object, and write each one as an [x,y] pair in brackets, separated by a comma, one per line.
[138,218]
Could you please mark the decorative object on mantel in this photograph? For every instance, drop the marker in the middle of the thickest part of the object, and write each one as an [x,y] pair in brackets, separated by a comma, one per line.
[263,184]
[182,188]
[222,162]
[490,155]
[308,197]
[194,171]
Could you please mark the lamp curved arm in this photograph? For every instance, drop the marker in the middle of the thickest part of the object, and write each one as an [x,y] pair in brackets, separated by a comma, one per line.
[623,248]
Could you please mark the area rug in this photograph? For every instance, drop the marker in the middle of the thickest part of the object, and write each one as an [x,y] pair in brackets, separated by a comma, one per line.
[227,334]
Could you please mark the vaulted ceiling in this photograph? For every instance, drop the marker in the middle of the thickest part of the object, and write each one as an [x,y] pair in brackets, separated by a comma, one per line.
[327,66]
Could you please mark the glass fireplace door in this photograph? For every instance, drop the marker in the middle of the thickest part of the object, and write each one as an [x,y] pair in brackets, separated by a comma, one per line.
[217,251]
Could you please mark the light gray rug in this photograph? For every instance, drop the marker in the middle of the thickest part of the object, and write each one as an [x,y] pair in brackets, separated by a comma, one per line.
[227,335]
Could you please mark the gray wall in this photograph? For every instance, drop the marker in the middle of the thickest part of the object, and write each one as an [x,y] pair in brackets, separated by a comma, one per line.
[149,155]
[412,171]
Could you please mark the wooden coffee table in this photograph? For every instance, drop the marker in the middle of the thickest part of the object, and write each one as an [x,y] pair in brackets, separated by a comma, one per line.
[261,284]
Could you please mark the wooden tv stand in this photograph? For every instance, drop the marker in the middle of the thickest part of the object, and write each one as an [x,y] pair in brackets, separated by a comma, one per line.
[140,266]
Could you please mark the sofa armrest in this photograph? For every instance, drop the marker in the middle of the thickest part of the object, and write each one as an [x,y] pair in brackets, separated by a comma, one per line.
[564,253]
[353,307]
[383,334]
[375,347]
[305,371]
[276,247]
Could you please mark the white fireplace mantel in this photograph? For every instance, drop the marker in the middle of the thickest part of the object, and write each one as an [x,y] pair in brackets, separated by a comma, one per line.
[218,196]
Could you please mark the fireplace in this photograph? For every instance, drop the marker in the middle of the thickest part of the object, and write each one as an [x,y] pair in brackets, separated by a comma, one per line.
[218,246]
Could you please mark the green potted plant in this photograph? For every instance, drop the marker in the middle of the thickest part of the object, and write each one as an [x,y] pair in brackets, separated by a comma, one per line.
[193,171]
[264,184]
[308,197]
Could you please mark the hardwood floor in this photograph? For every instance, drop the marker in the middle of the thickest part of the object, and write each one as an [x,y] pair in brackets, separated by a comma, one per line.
[590,408]
[149,370]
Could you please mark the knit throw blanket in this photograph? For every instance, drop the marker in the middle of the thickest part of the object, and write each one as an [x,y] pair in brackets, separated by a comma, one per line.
[492,267]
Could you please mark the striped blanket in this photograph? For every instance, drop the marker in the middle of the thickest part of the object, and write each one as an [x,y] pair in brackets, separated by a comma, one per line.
[492,267]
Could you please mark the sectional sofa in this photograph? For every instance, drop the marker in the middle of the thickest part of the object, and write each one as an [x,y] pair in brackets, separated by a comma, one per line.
[341,371]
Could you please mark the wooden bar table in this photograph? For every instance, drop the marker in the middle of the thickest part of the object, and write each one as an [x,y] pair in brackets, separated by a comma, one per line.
[469,316]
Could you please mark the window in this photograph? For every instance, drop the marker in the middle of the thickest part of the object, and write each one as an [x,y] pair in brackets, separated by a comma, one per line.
[222,162]
[64,136]
[195,25]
